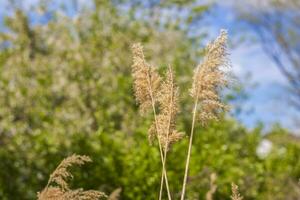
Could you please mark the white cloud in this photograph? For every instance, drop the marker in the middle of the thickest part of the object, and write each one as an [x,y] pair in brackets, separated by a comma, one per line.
[252,59]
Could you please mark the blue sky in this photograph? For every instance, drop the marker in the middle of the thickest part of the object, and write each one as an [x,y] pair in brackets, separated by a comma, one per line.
[266,99]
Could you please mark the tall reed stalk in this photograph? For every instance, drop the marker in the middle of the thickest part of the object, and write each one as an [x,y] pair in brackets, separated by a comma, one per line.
[167,139]
[207,80]
[146,87]
[189,151]
[151,92]
[168,105]
[162,158]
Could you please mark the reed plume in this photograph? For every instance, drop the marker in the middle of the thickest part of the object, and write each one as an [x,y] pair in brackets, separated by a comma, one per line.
[57,187]
[146,88]
[207,80]
[168,106]
[235,192]
[146,80]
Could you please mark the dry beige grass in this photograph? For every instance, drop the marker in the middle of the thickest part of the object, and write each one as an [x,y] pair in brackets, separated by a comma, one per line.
[146,80]
[151,91]
[213,187]
[168,106]
[115,195]
[208,79]
[146,89]
[235,192]
[57,187]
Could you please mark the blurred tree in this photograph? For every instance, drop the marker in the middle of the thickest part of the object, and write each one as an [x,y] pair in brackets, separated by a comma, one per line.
[277,24]
[69,78]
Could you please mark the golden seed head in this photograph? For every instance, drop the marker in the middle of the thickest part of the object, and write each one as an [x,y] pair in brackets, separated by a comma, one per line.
[146,80]
[235,192]
[209,78]
[61,190]
[168,106]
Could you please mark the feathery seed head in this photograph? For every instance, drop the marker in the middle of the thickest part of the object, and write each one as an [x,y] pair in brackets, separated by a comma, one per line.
[55,193]
[146,79]
[168,105]
[61,173]
[61,190]
[209,78]
[235,192]
[51,193]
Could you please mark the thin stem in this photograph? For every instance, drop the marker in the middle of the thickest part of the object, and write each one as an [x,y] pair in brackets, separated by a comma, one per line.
[161,184]
[189,151]
[161,155]
[167,140]
[159,142]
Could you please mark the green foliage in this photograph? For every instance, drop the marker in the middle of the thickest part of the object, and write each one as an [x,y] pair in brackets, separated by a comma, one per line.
[65,87]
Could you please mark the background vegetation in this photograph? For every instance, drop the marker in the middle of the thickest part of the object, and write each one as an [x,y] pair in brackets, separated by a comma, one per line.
[65,87]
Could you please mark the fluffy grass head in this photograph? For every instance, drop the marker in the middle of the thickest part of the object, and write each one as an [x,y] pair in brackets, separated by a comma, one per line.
[146,80]
[235,192]
[209,77]
[58,188]
[169,108]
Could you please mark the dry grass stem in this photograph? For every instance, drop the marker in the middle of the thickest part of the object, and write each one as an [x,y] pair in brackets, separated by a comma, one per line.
[235,192]
[115,195]
[212,188]
[168,104]
[208,78]
[57,187]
